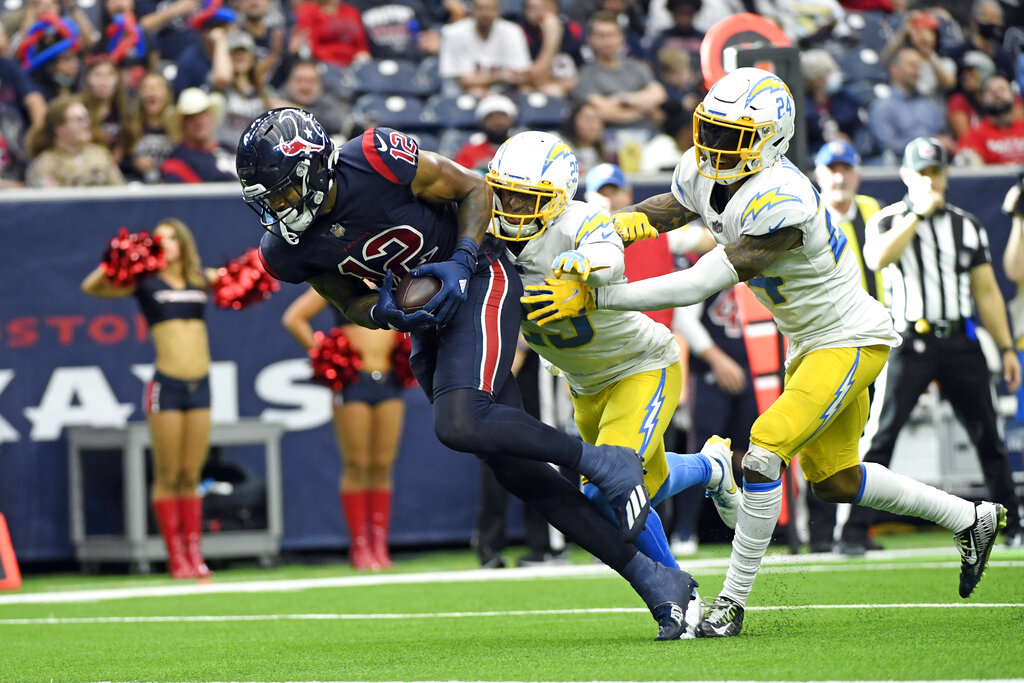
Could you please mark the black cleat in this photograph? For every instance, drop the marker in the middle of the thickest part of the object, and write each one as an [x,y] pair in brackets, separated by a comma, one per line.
[723,619]
[975,544]
[618,472]
[666,591]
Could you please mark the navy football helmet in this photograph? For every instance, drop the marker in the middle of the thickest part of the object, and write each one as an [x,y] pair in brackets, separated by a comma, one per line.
[285,163]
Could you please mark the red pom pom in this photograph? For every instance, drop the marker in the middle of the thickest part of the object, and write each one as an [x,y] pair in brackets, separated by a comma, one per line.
[335,363]
[243,281]
[400,353]
[131,256]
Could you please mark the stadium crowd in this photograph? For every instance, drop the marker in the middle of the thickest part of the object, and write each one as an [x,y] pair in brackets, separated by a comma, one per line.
[168,86]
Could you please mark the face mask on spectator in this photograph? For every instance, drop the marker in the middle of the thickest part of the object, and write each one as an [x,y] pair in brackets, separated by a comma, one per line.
[990,31]
[833,82]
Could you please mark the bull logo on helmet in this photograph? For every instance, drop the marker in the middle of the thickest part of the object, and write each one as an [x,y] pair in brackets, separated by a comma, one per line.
[302,134]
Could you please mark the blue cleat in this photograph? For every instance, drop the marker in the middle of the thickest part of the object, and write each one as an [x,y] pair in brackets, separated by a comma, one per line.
[618,472]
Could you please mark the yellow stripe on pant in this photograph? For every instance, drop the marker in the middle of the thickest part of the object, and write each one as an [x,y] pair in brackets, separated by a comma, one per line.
[634,412]
[822,410]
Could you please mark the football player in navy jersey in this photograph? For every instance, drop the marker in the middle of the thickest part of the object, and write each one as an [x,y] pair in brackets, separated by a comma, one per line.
[378,208]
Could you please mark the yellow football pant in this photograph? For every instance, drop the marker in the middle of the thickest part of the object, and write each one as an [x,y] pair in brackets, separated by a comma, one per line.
[822,410]
[634,412]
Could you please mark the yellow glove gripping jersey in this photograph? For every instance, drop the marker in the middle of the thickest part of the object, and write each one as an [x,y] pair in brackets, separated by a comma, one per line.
[595,350]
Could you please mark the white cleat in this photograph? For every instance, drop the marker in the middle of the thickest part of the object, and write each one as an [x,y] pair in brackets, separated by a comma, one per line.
[724,494]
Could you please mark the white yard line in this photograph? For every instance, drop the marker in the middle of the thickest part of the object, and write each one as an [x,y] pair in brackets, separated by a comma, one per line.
[46,621]
[772,564]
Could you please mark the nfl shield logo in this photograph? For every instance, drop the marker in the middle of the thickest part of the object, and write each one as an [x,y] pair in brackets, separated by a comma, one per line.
[717,226]
[337,230]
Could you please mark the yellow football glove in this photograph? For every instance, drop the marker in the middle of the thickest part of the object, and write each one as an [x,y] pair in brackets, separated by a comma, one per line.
[557,300]
[571,262]
[633,226]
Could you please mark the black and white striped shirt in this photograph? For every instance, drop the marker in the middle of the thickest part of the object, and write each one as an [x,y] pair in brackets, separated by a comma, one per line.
[932,279]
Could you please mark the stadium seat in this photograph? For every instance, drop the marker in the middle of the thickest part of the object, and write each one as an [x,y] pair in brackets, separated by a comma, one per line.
[452,140]
[871,29]
[393,111]
[337,82]
[540,111]
[452,112]
[861,64]
[391,77]
[427,141]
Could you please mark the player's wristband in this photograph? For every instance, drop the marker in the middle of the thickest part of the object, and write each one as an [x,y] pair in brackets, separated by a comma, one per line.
[1007,349]
[468,246]
[919,216]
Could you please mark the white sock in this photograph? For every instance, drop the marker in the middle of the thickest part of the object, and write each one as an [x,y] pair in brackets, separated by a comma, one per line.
[755,522]
[885,490]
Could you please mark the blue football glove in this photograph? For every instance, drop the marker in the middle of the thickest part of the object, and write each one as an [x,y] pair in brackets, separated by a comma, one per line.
[571,262]
[454,275]
[387,315]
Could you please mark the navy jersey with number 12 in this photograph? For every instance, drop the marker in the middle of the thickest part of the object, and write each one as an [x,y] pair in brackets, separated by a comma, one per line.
[376,224]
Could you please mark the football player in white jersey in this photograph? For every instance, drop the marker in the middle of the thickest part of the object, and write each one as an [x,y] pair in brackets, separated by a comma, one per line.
[622,367]
[775,234]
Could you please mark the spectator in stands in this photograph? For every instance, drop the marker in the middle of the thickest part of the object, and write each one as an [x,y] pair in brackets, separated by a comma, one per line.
[496,114]
[555,42]
[662,152]
[304,88]
[676,73]
[63,152]
[964,107]
[53,62]
[198,158]
[107,101]
[483,52]
[999,137]
[125,40]
[269,35]
[333,31]
[622,89]
[920,30]
[584,131]
[48,11]
[368,416]
[243,85]
[177,401]
[822,79]
[196,62]
[169,23]
[154,129]
[630,16]
[21,106]
[682,34]
[905,114]
[399,29]
[986,35]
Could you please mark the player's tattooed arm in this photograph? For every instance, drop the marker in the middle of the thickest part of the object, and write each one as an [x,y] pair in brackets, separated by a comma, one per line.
[751,254]
[439,179]
[664,212]
[349,295]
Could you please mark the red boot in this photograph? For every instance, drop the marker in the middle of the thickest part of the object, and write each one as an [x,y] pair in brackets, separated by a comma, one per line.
[192,525]
[355,506]
[380,521]
[169,521]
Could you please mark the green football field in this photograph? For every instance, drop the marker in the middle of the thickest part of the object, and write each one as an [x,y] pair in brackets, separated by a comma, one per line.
[891,616]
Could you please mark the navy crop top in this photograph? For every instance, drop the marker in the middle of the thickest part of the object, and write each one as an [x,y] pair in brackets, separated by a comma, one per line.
[160,301]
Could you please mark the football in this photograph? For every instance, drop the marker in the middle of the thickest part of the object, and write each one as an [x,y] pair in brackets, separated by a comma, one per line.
[414,292]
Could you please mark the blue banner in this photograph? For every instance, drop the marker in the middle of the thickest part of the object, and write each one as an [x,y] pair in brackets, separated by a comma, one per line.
[69,359]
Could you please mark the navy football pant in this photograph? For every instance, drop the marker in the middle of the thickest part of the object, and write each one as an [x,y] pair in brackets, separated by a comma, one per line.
[463,366]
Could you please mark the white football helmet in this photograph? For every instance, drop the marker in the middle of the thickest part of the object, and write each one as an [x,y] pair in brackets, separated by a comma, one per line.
[747,116]
[534,176]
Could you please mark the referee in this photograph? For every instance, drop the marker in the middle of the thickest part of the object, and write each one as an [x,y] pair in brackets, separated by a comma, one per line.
[936,268]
